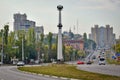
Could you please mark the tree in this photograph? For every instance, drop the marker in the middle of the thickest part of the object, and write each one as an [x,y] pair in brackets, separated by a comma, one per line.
[91,44]
[117,48]
[6,30]
[11,38]
[80,54]
[85,37]
[46,53]
[31,36]
[68,53]
[88,43]
[39,46]
[85,40]
[41,38]
[54,51]
[50,44]
[41,43]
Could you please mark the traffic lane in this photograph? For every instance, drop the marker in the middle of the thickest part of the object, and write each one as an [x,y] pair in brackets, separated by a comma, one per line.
[11,73]
[103,69]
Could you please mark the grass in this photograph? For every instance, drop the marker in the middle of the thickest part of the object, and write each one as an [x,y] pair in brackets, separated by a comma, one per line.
[69,71]
[111,61]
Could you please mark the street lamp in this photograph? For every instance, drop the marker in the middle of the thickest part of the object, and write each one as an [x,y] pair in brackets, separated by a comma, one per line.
[59,48]
[23,41]
[2,47]
[22,49]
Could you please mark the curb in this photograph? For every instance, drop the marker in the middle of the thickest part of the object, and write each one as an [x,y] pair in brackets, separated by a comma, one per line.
[54,76]
[63,78]
[46,75]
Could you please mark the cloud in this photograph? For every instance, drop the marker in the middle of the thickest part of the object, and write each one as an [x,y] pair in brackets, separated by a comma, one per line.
[116,2]
[98,4]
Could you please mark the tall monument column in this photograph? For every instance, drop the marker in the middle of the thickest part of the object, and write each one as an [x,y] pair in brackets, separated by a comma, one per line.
[59,46]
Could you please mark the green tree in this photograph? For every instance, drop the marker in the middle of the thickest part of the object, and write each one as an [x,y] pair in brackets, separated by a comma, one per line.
[46,53]
[117,48]
[31,36]
[6,30]
[50,45]
[11,38]
[85,37]
[85,41]
[80,54]
[54,51]
[68,53]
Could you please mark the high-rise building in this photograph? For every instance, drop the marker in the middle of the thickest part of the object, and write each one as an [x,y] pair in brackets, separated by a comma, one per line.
[103,36]
[21,22]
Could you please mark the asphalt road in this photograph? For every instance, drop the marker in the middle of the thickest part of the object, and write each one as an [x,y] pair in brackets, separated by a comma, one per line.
[103,69]
[11,73]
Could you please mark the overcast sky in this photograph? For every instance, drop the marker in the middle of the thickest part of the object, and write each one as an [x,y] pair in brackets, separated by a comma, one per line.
[44,12]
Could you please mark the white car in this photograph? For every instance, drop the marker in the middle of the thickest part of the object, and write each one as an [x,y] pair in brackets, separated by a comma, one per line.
[102,61]
[20,63]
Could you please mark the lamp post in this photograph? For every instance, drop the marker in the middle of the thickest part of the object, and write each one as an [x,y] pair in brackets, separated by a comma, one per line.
[22,49]
[59,47]
[2,47]
[23,58]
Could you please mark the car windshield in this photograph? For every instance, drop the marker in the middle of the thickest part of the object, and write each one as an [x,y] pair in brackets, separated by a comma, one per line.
[102,59]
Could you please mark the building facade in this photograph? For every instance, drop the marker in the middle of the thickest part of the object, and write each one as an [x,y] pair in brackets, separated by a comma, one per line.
[21,22]
[76,44]
[103,36]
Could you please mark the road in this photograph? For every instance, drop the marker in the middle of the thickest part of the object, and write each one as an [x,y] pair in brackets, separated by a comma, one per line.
[103,69]
[11,73]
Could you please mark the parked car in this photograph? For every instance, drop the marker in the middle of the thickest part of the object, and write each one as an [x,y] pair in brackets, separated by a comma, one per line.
[94,57]
[20,63]
[80,62]
[89,62]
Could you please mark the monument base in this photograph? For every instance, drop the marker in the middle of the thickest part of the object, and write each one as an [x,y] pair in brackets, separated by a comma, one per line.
[60,61]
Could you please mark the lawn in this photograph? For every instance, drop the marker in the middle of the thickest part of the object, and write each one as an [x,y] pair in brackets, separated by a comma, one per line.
[69,71]
[112,61]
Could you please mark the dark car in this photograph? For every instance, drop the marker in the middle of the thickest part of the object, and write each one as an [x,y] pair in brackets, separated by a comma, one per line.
[89,62]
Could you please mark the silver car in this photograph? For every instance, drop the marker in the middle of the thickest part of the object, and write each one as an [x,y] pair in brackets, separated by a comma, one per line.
[20,63]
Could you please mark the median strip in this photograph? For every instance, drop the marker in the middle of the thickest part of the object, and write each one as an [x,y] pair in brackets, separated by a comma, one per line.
[69,72]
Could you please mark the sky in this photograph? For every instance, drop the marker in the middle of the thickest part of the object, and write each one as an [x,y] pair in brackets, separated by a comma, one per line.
[82,13]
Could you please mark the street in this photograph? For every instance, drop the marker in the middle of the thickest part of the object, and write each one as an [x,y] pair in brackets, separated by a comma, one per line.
[95,67]
[11,73]
[103,69]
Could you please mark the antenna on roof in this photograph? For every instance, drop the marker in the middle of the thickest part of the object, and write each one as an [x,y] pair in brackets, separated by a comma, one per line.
[77,26]
[74,29]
